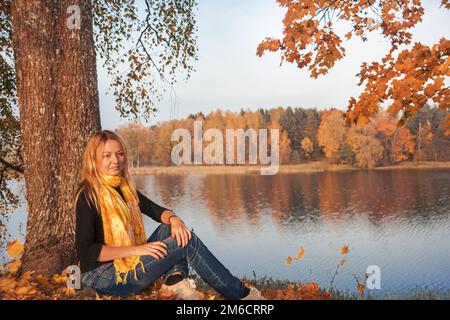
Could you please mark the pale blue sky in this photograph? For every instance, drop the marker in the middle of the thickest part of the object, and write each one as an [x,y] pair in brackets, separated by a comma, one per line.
[229,75]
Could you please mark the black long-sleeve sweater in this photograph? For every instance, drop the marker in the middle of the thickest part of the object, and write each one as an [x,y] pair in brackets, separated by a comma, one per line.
[89,235]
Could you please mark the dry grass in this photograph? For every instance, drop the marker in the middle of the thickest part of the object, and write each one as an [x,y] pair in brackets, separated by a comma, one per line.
[418,165]
[317,166]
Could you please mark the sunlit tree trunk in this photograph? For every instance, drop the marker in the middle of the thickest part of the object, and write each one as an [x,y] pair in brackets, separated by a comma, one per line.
[58,104]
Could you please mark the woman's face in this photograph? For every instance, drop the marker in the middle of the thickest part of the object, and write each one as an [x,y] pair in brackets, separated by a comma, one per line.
[112,161]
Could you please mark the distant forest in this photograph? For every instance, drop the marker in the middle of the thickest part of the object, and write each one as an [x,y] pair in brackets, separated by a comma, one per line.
[308,135]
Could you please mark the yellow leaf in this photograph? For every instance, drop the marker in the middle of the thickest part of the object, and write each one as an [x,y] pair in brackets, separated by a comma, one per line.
[59,278]
[13,266]
[22,291]
[362,121]
[288,260]
[26,277]
[344,250]
[42,279]
[7,284]
[165,294]
[361,288]
[97,297]
[70,291]
[201,295]
[15,248]
[300,254]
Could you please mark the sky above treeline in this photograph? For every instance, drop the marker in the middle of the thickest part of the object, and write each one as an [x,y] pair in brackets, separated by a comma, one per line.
[229,75]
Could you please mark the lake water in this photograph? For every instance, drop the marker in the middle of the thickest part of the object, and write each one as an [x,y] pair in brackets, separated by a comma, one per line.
[398,220]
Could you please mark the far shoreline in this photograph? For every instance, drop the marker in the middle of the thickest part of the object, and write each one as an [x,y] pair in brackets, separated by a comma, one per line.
[309,167]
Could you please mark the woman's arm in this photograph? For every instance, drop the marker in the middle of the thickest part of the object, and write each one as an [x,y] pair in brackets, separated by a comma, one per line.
[155,211]
[179,230]
[157,249]
[151,209]
[165,216]
[108,253]
[87,247]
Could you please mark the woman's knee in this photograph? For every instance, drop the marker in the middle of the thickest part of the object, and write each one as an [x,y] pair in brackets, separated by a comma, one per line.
[165,231]
[194,239]
[162,232]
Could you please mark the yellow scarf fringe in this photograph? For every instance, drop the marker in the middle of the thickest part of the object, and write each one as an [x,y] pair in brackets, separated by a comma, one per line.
[122,223]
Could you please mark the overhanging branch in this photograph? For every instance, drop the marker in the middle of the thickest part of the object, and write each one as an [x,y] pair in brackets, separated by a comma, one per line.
[8,165]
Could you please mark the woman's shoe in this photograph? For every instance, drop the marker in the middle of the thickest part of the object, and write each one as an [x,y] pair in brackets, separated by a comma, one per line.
[254,294]
[184,289]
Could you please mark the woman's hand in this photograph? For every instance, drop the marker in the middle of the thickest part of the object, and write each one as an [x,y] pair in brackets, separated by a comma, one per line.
[180,231]
[157,249]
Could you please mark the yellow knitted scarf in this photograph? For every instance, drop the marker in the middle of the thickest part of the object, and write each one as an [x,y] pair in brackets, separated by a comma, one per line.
[122,222]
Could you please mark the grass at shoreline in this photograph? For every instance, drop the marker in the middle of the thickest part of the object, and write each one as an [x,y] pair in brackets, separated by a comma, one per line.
[310,167]
[290,290]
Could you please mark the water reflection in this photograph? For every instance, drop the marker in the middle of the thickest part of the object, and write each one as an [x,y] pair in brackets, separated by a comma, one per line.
[396,219]
[292,198]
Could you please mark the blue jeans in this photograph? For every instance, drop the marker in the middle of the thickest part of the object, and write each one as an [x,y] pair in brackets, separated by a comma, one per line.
[196,254]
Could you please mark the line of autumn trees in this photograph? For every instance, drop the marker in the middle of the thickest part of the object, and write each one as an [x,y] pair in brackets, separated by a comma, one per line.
[307,135]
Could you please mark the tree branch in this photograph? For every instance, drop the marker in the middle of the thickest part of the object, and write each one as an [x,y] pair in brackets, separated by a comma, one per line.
[8,165]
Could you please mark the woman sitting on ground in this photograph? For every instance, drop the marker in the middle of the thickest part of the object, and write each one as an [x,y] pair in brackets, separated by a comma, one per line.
[116,258]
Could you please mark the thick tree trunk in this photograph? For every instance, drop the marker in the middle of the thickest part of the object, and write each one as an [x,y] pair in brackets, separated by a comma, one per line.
[58,104]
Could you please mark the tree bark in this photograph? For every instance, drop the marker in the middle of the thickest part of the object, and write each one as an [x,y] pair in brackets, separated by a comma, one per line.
[58,105]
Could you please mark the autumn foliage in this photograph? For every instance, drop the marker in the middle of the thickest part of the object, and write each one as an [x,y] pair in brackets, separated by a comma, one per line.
[308,135]
[408,76]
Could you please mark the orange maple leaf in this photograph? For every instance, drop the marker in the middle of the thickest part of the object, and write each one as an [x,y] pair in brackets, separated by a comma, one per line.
[13,266]
[361,288]
[97,297]
[288,260]
[166,294]
[300,254]
[14,248]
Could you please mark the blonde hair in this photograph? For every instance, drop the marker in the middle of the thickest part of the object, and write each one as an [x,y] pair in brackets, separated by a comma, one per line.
[90,182]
